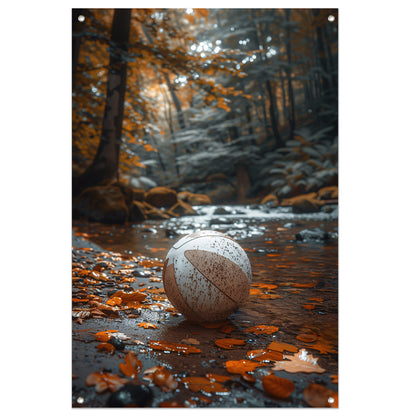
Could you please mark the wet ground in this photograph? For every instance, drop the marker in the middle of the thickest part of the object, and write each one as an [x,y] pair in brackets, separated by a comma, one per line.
[294,259]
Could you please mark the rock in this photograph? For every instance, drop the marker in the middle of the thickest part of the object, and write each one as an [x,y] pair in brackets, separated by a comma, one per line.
[104,204]
[314,234]
[161,197]
[131,395]
[329,192]
[221,211]
[199,199]
[303,203]
[137,212]
[182,208]
[270,200]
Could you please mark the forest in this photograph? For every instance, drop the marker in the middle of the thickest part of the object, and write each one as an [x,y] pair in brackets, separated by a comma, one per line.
[236,104]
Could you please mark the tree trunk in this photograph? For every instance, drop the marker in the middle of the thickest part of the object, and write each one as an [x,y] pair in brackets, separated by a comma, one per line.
[273,114]
[77,28]
[289,78]
[105,164]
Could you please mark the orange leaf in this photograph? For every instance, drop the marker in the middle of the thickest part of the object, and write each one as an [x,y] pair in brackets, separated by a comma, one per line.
[147,325]
[163,379]
[226,329]
[264,355]
[103,336]
[172,346]
[262,329]
[241,366]
[114,301]
[228,343]
[105,346]
[103,381]
[308,307]
[319,396]
[278,387]
[282,346]
[203,384]
[131,366]
[216,377]
[129,296]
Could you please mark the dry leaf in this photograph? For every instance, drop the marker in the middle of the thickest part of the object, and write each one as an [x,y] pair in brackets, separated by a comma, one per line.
[262,329]
[278,387]
[103,381]
[217,377]
[164,379]
[282,346]
[301,362]
[129,296]
[263,355]
[241,366]
[147,325]
[319,396]
[172,346]
[105,346]
[228,343]
[131,366]
[104,336]
[204,385]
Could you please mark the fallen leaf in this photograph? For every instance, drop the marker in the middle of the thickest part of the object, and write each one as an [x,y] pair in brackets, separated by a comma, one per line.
[114,301]
[278,387]
[228,343]
[308,307]
[263,355]
[227,329]
[254,292]
[262,329]
[248,377]
[105,381]
[316,299]
[203,384]
[104,336]
[241,366]
[319,396]
[129,296]
[105,346]
[131,366]
[217,377]
[172,346]
[301,362]
[323,346]
[164,379]
[147,325]
[282,346]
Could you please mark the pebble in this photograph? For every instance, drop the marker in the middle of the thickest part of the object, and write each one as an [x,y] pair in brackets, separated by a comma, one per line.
[131,395]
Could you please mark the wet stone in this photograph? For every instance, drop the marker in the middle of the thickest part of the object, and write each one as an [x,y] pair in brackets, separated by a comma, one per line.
[131,395]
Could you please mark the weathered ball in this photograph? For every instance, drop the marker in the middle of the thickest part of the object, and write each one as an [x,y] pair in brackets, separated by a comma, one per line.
[207,276]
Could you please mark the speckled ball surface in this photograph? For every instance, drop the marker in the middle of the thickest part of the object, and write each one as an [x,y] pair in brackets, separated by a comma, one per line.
[207,276]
